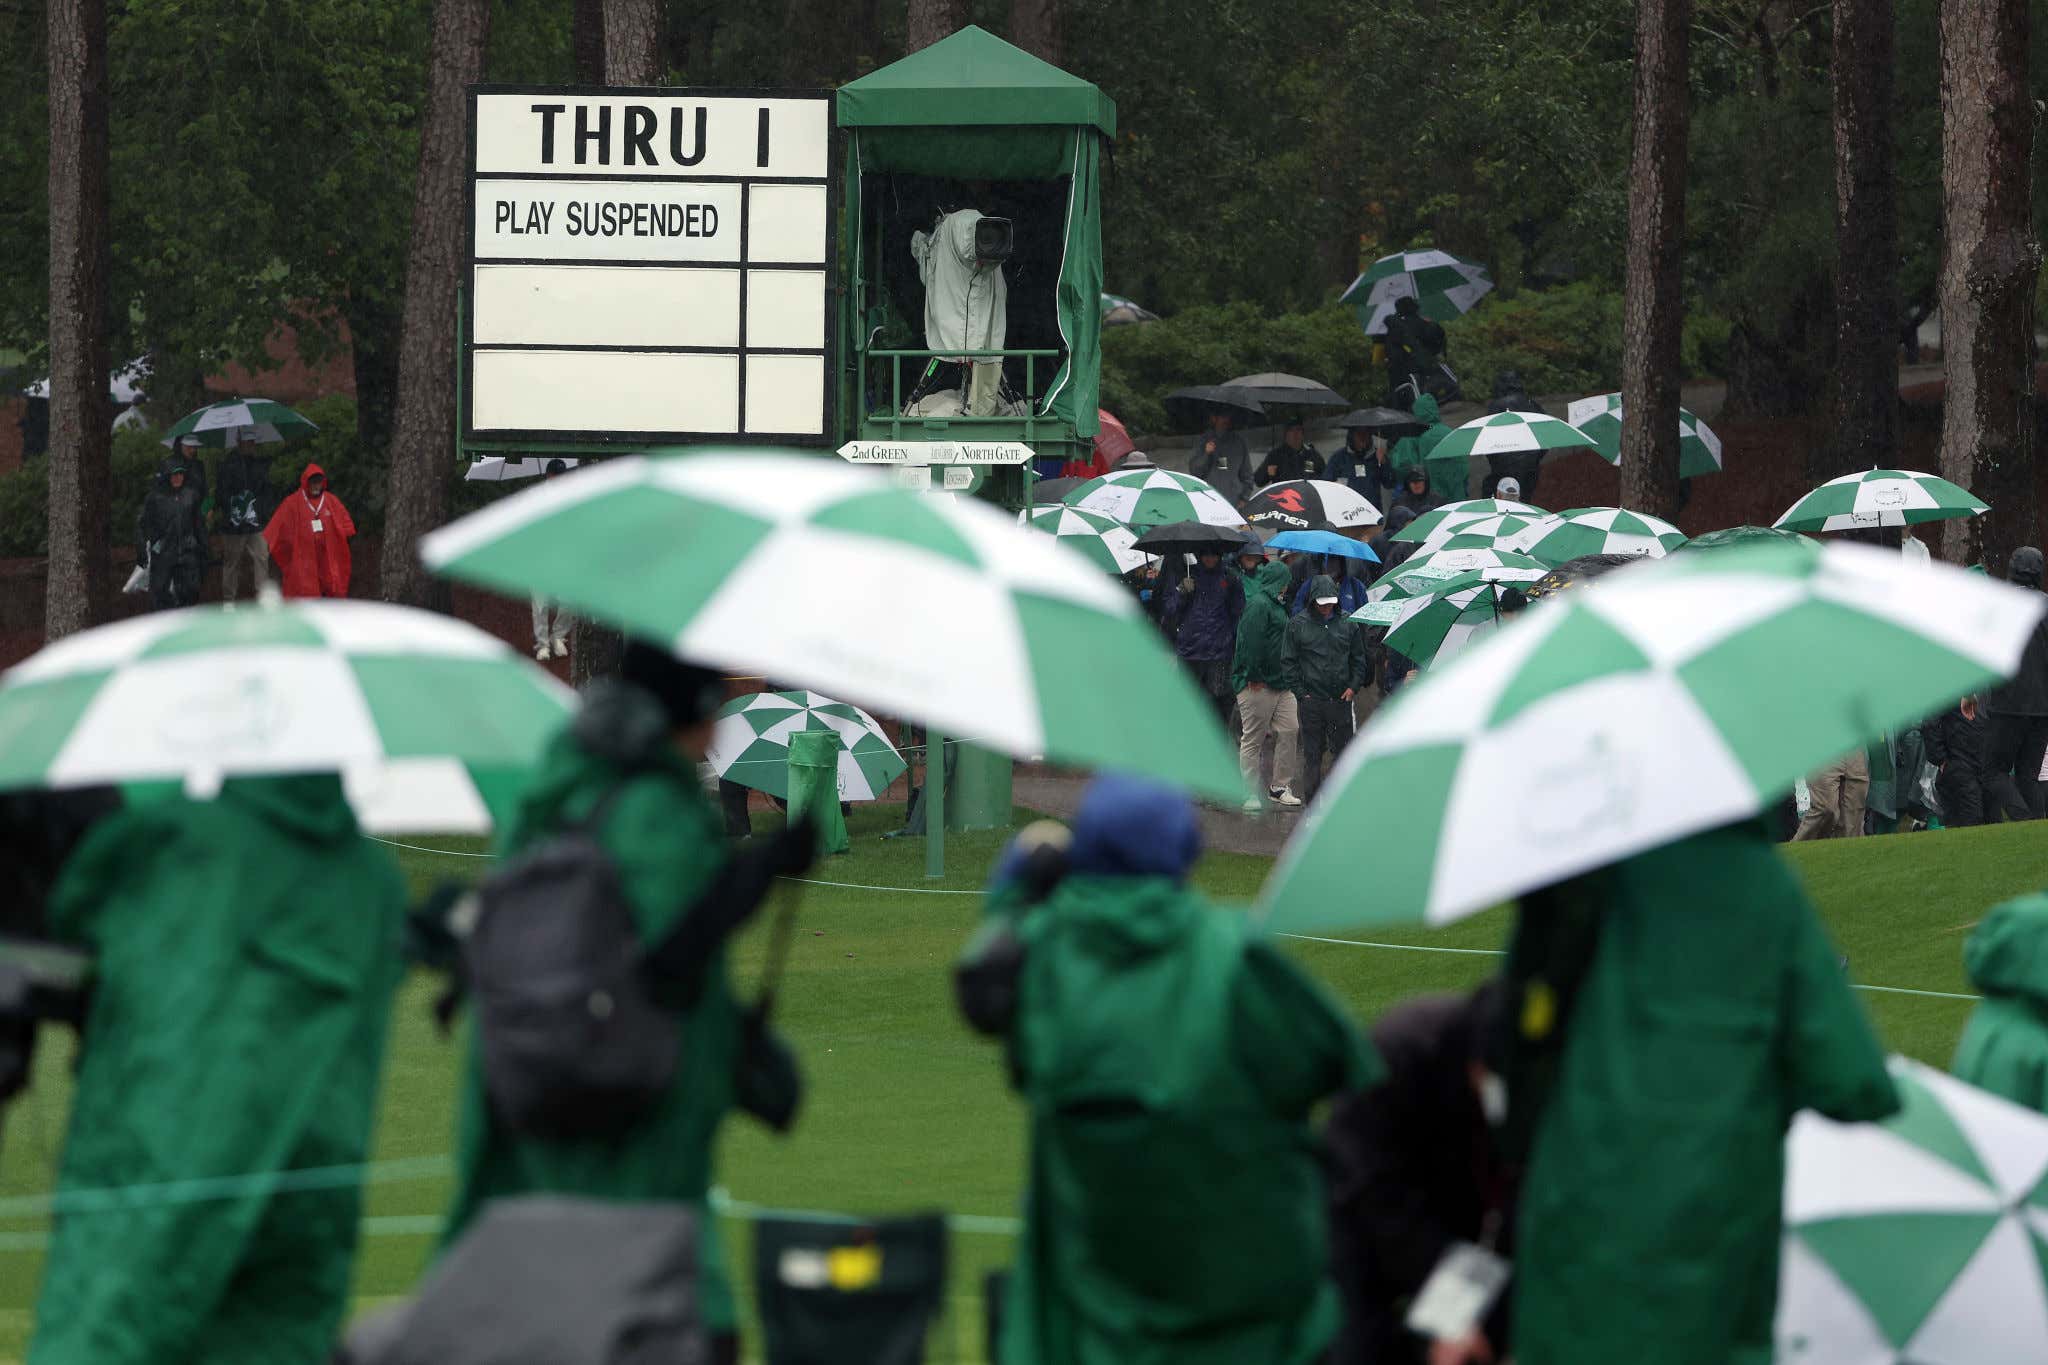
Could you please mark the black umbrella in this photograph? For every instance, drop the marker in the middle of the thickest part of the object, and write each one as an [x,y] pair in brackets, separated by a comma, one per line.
[1288,391]
[1191,407]
[1053,490]
[1194,538]
[1389,420]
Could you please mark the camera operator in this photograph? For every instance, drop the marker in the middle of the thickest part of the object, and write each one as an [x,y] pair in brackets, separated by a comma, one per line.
[966,304]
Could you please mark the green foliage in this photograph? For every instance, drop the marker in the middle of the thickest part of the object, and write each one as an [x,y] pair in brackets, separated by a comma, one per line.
[1142,364]
[25,511]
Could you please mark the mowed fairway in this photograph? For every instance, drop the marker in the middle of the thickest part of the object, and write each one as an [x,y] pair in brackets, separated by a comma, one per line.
[907,1110]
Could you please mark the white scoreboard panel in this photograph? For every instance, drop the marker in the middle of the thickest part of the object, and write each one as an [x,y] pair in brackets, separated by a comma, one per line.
[648,266]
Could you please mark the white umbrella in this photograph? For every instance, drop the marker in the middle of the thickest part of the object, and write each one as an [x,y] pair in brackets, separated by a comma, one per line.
[497,469]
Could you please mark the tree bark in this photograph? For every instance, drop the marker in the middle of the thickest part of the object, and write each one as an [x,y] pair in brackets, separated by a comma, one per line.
[1653,314]
[1035,26]
[1866,380]
[81,415]
[632,42]
[1989,262]
[931,20]
[423,447]
[586,41]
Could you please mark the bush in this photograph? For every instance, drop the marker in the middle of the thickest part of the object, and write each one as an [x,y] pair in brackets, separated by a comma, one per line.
[1563,341]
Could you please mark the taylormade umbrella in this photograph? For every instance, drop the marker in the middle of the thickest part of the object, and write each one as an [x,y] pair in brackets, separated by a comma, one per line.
[1107,544]
[1309,505]
[1921,1240]
[258,419]
[1154,497]
[309,686]
[1504,433]
[496,469]
[1638,709]
[1424,572]
[1597,531]
[1470,509]
[750,744]
[1444,285]
[1274,389]
[935,609]
[1699,449]
[1880,497]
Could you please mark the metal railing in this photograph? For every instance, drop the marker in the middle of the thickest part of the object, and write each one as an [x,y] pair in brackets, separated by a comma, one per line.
[895,418]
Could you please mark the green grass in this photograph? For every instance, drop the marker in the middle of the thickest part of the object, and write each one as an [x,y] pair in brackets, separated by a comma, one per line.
[907,1110]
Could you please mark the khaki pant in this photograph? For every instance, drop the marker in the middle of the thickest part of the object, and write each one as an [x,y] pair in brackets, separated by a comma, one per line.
[1264,711]
[233,548]
[1839,791]
[551,624]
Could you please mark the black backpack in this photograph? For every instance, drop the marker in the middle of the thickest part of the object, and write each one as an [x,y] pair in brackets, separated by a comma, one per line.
[574,1044]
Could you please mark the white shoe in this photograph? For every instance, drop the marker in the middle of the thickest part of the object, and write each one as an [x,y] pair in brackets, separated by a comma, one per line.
[561,649]
[540,652]
[1252,805]
[1286,798]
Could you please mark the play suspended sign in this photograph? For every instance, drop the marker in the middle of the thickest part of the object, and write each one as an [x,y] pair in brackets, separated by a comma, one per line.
[647,266]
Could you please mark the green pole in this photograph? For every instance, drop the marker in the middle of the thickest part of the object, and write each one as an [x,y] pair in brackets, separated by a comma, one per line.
[934,805]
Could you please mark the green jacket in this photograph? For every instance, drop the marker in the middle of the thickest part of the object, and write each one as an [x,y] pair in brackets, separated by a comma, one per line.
[1169,1062]
[1323,658]
[1262,631]
[667,844]
[247,949]
[1415,449]
[2005,1047]
[1713,1009]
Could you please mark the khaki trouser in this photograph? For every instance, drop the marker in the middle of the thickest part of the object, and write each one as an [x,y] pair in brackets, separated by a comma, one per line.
[1264,711]
[1839,791]
[551,624]
[233,548]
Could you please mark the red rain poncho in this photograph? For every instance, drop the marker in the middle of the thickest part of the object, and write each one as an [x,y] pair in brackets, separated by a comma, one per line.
[308,536]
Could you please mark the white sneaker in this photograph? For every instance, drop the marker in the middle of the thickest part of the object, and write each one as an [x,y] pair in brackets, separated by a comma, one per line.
[561,649]
[1252,805]
[540,652]
[1286,798]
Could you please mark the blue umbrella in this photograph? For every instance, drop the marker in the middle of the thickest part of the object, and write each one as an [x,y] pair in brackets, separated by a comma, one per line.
[1323,543]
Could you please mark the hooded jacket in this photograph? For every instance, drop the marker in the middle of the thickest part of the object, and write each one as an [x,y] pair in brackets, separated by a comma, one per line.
[965,308]
[1712,1010]
[308,538]
[172,528]
[1205,620]
[1351,590]
[1163,1051]
[2005,1047]
[1324,658]
[2026,692]
[248,950]
[245,499]
[1262,631]
[1413,450]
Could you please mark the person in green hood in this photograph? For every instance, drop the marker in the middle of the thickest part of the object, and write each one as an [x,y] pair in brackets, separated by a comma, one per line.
[2005,1048]
[247,951]
[1168,1059]
[1670,1014]
[1449,476]
[636,742]
[1324,658]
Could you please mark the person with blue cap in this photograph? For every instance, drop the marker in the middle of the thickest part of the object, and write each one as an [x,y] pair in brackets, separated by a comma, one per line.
[1169,1059]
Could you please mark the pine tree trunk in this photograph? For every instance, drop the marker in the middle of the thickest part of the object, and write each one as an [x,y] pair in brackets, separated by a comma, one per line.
[1987,276]
[81,415]
[1653,314]
[586,41]
[931,20]
[1035,26]
[1866,380]
[632,42]
[423,447]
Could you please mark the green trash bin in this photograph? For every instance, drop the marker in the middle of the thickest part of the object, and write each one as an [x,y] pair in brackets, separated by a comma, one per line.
[814,786]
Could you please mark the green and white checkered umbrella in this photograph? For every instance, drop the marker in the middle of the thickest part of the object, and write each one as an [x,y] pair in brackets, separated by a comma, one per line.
[1106,544]
[933,609]
[1469,509]
[1597,531]
[750,744]
[258,419]
[1426,572]
[1494,532]
[1699,449]
[1445,286]
[1880,497]
[433,722]
[1153,497]
[1921,1240]
[1507,433]
[1640,708]
[1440,623]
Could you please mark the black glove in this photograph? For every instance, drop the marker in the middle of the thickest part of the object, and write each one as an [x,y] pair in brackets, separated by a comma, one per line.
[766,1082]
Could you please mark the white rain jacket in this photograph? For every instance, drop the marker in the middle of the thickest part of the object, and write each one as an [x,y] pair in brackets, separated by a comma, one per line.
[965,309]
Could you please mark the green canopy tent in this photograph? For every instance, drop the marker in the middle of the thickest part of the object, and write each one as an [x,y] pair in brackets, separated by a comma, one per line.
[970,109]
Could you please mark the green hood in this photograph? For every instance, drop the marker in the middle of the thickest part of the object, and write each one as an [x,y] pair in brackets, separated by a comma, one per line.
[1321,586]
[1274,578]
[1425,409]
[307,806]
[1127,918]
[2007,953]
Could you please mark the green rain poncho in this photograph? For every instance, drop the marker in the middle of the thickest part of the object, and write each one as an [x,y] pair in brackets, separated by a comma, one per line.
[1169,1062]
[1448,478]
[2005,1048]
[1262,631]
[1713,1009]
[248,948]
[665,839]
